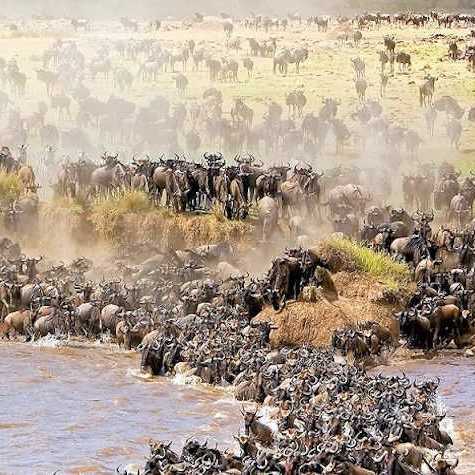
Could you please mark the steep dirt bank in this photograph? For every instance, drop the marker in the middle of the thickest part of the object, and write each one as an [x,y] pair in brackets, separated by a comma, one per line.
[370,286]
[361,298]
[114,225]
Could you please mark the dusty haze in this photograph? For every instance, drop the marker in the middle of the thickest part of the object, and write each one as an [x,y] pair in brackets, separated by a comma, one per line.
[163,8]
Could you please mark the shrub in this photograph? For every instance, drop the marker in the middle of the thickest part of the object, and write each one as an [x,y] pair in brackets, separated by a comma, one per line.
[11,187]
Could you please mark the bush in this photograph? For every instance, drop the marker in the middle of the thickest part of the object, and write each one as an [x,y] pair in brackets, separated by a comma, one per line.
[11,187]
[109,209]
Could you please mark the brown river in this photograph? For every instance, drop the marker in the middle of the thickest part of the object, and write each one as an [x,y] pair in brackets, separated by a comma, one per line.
[86,410]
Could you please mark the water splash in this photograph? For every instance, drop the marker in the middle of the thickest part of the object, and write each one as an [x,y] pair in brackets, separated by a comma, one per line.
[50,341]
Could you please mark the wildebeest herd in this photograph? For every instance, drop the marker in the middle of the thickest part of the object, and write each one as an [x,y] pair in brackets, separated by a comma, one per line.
[79,111]
[193,311]
[184,318]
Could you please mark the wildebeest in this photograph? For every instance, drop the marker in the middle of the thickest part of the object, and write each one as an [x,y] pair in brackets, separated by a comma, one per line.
[389,43]
[426,91]
[454,132]
[268,212]
[360,86]
[359,67]
[259,431]
[343,198]
[181,83]
[404,61]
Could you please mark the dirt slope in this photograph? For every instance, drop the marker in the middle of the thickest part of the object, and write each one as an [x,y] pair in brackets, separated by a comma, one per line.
[360,298]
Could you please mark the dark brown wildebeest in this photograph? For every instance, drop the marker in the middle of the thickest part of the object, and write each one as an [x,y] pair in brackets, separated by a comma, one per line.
[383,84]
[248,64]
[453,50]
[454,132]
[228,28]
[404,61]
[426,91]
[359,67]
[389,43]
[296,101]
[361,85]
[80,23]
[357,37]
[61,103]
[383,60]
[181,83]
[430,118]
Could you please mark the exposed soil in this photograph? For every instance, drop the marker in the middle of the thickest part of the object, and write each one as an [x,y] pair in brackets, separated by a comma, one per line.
[361,298]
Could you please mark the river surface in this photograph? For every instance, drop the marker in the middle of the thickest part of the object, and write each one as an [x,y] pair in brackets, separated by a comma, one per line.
[457,398]
[86,410]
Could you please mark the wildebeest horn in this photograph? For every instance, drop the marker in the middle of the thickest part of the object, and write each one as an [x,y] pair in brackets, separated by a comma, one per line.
[417,215]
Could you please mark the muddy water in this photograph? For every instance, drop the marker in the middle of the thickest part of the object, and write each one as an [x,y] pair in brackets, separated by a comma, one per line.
[87,411]
[457,397]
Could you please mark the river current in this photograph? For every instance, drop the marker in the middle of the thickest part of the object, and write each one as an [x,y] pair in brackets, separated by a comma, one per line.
[87,410]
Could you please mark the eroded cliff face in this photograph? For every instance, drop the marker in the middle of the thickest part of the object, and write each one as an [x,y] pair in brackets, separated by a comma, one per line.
[361,298]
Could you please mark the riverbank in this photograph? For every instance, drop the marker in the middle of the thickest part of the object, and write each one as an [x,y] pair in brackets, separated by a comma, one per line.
[127,216]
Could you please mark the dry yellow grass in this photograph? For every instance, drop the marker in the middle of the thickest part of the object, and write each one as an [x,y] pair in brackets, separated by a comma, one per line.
[11,187]
[345,254]
[129,215]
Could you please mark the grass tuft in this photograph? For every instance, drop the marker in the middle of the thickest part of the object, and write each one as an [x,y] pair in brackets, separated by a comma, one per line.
[379,265]
[465,165]
[11,187]
[129,215]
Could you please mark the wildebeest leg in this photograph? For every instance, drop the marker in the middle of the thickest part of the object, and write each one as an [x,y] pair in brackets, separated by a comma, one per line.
[435,336]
